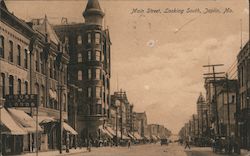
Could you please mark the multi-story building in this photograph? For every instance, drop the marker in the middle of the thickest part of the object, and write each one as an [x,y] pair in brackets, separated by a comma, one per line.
[226,102]
[243,106]
[140,124]
[89,68]
[34,61]
[124,110]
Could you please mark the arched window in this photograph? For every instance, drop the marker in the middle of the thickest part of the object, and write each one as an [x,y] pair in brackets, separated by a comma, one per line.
[3,84]
[26,58]
[1,46]
[79,75]
[11,85]
[79,57]
[19,86]
[42,96]
[11,51]
[79,39]
[26,87]
[64,103]
[19,55]
[37,89]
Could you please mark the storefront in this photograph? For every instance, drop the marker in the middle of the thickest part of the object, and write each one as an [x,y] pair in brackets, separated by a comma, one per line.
[12,134]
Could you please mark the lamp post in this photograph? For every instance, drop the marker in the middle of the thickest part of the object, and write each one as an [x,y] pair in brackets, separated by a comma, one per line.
[60,88]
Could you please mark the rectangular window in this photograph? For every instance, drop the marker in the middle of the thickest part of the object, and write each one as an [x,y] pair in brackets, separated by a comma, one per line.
[89,55]
[26,58]
[98,92]
[97,38]
[89,92]
[98,74]
[11,51]
[98,55]
[89,74]
[19,55]
[79,75]
[89,37]
[79,39]
[1,46]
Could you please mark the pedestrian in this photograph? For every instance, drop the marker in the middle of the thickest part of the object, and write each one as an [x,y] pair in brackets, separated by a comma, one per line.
[129,143]
[187,144]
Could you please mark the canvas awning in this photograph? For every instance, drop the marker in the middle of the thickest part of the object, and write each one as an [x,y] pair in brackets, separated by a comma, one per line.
[69,128]
[154,137]
[44,119]
[131,136]
[27,122]
[137,136]
[105,131]
[111,131]
[14,128]
[147,137]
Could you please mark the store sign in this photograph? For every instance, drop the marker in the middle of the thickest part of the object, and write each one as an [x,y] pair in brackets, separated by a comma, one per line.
[21,100]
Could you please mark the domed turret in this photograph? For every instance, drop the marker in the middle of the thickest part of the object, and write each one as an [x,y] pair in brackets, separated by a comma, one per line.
[93,13]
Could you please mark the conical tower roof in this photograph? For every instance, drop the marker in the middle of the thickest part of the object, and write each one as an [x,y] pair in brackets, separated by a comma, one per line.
[93,8]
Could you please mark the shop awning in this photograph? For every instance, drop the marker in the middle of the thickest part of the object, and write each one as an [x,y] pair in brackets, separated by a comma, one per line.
[147,137]
[111,131]
[154,137]
[131,136]
[13,127]
[69,128]
[137,136]
[27,122]
[44,119]
[105,131]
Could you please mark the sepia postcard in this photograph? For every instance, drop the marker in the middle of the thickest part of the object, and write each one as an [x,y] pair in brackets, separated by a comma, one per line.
[124,77]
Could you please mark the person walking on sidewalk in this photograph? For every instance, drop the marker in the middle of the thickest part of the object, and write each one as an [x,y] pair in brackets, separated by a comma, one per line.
[187,144]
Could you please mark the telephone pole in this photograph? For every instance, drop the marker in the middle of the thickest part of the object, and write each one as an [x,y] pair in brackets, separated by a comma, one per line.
[213,77]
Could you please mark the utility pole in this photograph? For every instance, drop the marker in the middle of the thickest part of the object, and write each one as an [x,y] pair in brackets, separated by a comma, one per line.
[228,108]
[214,78]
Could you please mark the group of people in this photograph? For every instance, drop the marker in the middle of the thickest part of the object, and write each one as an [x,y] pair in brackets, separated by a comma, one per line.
[220,145]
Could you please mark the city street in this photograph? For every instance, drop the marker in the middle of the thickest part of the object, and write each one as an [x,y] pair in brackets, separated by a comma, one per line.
[151,150]
[139,150]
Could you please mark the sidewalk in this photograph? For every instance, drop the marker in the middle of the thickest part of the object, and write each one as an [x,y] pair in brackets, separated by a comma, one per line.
[208,151]
[57,153]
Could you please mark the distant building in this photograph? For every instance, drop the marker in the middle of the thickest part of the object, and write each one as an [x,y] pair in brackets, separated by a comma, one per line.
[89,68]
[202,112]
[140,124]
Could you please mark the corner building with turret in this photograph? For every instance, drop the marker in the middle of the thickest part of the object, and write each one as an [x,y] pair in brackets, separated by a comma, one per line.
[89,68]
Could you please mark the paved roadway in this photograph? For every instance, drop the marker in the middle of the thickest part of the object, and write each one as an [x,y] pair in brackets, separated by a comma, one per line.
[151,150]
[148,150]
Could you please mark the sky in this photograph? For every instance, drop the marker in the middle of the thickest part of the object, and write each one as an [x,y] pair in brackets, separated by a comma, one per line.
[157,58]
